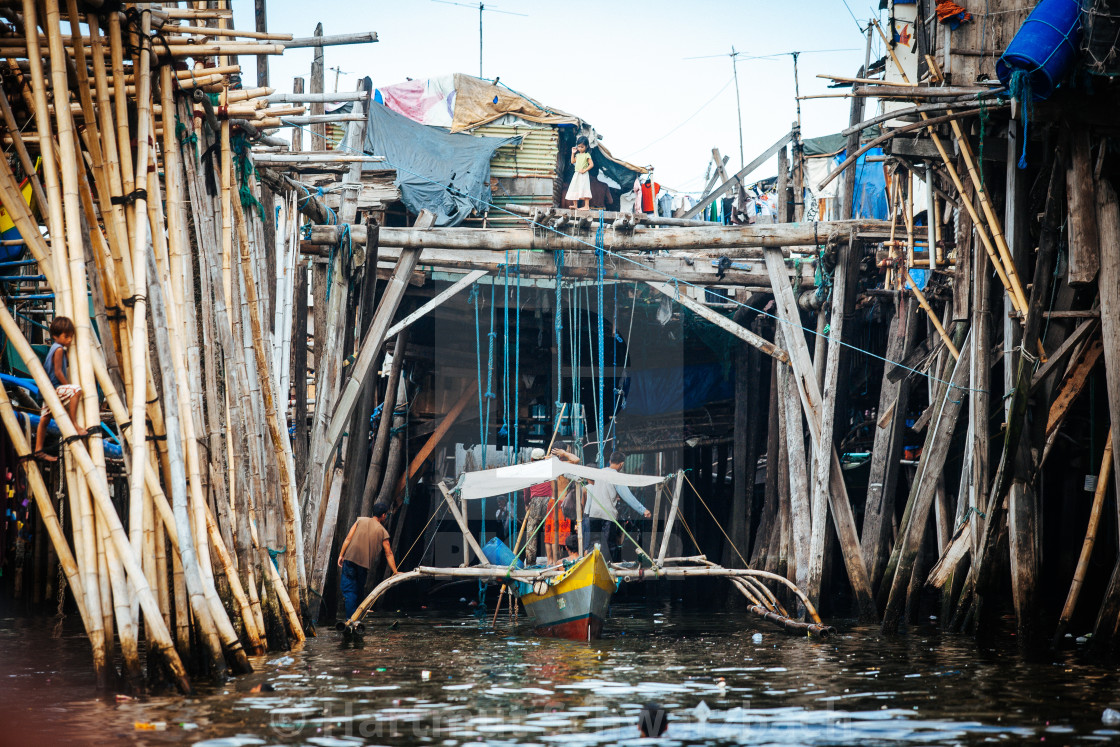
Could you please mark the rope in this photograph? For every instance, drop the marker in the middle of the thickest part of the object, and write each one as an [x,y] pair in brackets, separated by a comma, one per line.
[489,377]
[345,260]
[559,328]
[718,525]
[1021,89]
[243,171]
[517,362]
[599,288]
[473,298]
[712,293]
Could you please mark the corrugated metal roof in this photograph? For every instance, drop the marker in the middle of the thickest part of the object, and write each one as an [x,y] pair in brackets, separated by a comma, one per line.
[535,156]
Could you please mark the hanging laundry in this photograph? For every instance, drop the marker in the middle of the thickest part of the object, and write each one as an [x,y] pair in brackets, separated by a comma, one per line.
[665,205]
[952,14]
[650,189]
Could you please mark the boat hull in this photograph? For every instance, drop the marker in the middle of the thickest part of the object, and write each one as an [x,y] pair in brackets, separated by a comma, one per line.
[575,604]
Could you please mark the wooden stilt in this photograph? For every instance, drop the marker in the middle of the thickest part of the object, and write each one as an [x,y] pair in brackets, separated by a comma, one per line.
[809,392]
[883,478]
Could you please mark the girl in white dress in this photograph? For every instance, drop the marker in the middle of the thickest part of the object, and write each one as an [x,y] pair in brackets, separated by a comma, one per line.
[580,188]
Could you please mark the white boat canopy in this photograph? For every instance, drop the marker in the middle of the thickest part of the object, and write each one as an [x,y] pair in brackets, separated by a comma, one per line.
[502,480]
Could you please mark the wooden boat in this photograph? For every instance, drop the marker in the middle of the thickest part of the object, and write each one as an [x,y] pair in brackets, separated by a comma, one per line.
[8,230]
[574,604]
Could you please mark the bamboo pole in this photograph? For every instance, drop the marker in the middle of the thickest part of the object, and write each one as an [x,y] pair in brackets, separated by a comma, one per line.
[46,151]
[68,278]
[45,507]
[204,614]
[1090,539]
[197,500]
[278,436]
[160,642]
[932,316]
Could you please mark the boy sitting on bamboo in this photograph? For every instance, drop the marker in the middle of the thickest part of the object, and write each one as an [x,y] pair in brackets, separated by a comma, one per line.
[57,365]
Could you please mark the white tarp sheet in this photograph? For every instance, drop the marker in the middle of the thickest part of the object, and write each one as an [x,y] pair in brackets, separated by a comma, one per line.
[502,480]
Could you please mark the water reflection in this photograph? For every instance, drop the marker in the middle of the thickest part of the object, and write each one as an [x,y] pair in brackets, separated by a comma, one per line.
[722,684]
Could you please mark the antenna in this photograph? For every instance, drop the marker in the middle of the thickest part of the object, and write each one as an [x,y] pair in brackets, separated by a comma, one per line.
[481,8]
[734,55]
[337,72]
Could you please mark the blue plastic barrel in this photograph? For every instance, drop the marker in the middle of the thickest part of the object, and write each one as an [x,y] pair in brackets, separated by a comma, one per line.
[498,553]
[1044,46]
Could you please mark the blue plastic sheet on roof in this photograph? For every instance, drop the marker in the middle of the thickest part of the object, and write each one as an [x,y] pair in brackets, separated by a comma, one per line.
[870,199]
[444,173]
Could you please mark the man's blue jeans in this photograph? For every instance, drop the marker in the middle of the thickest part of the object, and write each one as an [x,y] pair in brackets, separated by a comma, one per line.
[353,583]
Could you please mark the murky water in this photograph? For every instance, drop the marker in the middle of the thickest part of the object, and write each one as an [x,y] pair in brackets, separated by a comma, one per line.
[450,680]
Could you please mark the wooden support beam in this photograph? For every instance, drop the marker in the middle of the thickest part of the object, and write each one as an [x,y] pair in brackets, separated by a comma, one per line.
[882,481]
[1081,199]
[809,391]
[1059,356]
[1090,540]
[1108,224]
[433,441]
[721,321]
[582,266]
[739,176]
[955,551]
[711,239]
[462,522]
[445,295]
[375,336]
[334,40]
[674,510]
[1072,385]
[935,451]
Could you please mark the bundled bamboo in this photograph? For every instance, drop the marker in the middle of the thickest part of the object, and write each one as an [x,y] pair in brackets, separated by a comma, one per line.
[130,225]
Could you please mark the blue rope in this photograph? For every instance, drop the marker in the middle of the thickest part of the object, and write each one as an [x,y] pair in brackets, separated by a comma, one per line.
[1021,90]
[504,431]
[489,376]
[345,260]
[728,299]
[599,285]
[473,299]
[517,361]
[559,329]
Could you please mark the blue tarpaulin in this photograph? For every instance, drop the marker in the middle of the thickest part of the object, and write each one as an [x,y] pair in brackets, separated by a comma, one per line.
[444,173]
[654,391]
[870,199]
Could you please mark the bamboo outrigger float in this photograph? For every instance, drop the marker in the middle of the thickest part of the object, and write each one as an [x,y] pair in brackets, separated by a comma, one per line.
[572,600]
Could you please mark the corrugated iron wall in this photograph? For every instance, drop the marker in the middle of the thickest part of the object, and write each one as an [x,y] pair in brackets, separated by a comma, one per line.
[521,174]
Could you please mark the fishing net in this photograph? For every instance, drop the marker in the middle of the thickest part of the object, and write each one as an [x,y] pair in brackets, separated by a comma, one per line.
[1100,36]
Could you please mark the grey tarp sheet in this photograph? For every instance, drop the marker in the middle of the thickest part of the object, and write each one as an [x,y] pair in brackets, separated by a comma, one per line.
[447,174]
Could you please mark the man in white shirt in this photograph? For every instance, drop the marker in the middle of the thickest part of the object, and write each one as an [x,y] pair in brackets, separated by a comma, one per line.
[602,507]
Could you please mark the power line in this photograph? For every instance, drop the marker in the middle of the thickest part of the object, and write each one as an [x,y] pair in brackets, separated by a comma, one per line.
[690,118]
[853,15]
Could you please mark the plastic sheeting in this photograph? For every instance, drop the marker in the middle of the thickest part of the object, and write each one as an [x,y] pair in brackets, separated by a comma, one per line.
[445,173]
[479,101]
[430,101]
[502,480]
[870,199]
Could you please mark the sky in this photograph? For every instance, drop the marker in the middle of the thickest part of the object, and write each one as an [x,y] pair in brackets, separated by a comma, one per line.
[623,67]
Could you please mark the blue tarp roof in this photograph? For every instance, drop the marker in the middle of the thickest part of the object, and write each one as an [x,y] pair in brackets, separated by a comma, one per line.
[444,173]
